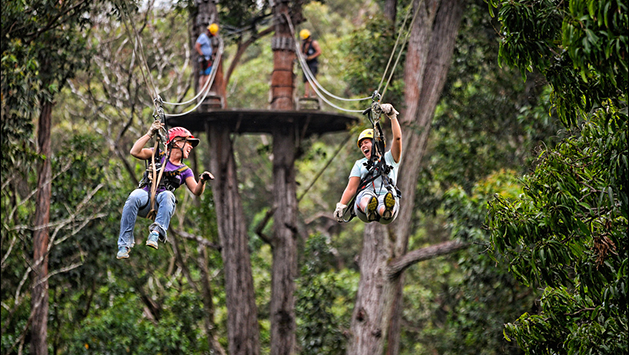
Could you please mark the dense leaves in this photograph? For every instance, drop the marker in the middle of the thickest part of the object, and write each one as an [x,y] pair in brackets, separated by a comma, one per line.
[318,327]
[579,45]
[565,234]
[568,233]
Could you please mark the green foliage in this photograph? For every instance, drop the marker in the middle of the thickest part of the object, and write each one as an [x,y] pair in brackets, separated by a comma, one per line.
[42,46]
[124,329]
[580,46]
[568,233]
[460,303]
[317,326]
[368,52]
[80,199]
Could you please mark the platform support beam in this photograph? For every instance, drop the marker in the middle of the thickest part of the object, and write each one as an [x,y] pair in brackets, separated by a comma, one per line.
[284,270]
[242,316]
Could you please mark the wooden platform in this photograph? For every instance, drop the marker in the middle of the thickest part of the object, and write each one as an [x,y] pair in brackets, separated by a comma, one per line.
[262,121]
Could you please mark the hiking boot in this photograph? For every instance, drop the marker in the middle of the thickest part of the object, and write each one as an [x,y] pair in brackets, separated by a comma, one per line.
[123,252]
[152,239]
[389,203]
[371,209]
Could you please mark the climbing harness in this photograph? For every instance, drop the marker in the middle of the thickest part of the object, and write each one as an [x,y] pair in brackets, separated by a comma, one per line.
[376,165]
[170,180]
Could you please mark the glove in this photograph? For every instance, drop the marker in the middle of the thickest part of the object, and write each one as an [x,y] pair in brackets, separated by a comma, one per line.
[206,175]
[338,212]
[389,110]
[156,126]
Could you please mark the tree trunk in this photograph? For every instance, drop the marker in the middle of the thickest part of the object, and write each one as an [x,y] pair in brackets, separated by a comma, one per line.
[367,323]
[390,10]
[284,243]
[284,240]
[39,296]
[242,314]
[378,308]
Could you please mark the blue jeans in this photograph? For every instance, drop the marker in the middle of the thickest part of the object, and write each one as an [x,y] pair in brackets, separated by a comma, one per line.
[138,204]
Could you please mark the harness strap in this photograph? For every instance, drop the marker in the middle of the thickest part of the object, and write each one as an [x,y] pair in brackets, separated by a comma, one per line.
[156,180]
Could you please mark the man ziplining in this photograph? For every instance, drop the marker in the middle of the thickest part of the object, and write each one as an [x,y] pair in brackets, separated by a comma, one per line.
[162,205]
[372,180]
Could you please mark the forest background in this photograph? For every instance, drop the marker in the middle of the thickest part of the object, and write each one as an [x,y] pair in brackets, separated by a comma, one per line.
[529,174]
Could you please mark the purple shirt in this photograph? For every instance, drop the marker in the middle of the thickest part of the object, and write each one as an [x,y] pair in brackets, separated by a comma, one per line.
[181,177]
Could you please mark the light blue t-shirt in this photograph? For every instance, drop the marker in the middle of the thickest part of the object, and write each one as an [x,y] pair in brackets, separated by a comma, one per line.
[206,45]
[360,170]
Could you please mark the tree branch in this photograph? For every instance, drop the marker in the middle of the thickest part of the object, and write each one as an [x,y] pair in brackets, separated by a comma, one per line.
[398,265]
[241,49]
[262,224]
[197,238]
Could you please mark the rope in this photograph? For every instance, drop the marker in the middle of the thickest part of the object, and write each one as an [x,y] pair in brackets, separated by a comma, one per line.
[316,85]
[338,150]
[312,80]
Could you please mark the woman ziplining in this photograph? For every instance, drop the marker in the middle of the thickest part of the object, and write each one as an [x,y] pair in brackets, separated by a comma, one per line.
[371,193]
[154,197]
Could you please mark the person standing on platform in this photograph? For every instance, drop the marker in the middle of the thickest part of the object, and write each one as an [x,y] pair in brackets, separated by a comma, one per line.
[311,51]
[203,46]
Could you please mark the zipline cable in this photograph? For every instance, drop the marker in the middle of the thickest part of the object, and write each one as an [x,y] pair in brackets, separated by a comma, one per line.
[325,167]
[408,33]
[309,75]
[393,50]
[315,84]
[139,53]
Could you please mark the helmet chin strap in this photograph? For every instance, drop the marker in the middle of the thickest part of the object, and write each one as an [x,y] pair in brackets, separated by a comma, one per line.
[173,145]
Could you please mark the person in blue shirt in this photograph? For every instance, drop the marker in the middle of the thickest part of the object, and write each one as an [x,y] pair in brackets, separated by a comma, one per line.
[203,46]
[376,200]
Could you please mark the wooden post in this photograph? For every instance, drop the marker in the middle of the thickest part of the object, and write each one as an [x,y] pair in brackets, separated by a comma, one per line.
[242,314]
[284,239]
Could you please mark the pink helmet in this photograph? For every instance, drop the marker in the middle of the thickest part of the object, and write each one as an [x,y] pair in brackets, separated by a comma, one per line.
[183,133]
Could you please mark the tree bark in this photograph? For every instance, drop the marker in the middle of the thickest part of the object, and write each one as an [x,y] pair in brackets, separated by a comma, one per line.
[375,323]
[390,10]
[367,323]
[426,93]
[39,296]
[242,314]
[214,346]
[284,240]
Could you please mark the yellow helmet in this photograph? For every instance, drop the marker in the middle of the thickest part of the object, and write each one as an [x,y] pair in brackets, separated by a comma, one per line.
[213,28]
[304,34]
[368,133]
